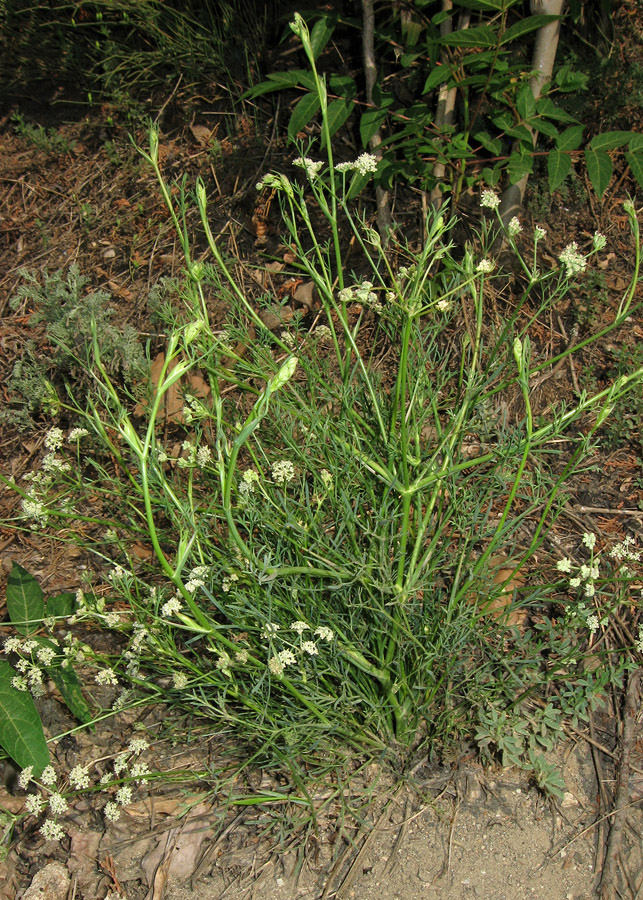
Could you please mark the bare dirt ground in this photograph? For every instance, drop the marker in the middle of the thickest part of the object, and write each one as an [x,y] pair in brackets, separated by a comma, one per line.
[451,831]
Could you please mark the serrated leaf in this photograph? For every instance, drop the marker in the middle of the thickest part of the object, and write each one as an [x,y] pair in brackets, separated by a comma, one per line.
[526,102]
[440,75]
[526,26]
[321,33]
[369,123]
[25,600]
[61,605]
[21,734]
[635,162]
[599,169]
[480,36]
[303,113]
[610,140]
[519,164]
[570,138]
[338,112]
[542,126]
[559,165]
[492,145]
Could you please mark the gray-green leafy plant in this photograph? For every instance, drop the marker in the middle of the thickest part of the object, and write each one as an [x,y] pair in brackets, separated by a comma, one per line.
[337,536]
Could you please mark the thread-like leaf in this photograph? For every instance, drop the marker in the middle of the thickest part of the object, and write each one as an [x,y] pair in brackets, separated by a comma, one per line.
[25,600]
[21,734]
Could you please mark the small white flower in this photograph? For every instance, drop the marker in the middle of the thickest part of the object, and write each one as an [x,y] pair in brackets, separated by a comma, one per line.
[57,804]
[589,540]
[223,664]
[48,777]
[46,655]
[574,582]
[112,811]
[287,657]
[443,305]
[241,656]
[311,167]
[514,227]
[327,479]
[121,762]
[592,624]
[599,240]
[589,590]
[52,831]
[325,633]
[25,777]
[137,745]
[106,676]
[283,471]
[35,509]
[323,333]
[180,680]
[539,233]
[34,804]
[54,439]
[124,795]
[11,645]
[79,778]
[171,607]
[203,457]
[228,581]
[138,771]
[485,266]
[564,565]
[299,626]
[310,647]
[489,200]
[574,262]
[269,628]
[20,683]
[76,434]
[366,162]
[276,666]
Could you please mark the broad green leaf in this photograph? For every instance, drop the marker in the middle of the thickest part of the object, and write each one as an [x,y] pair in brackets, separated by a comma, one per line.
[491,144]
[71,691]
[480,36]
[61,605]
[542,126]
[526,102]
[321,33]
[439,75]
[21,734]
[369,123]
[281,81]
[567,80]
[303,113]
[67,683]
[338,111]
[357,184]
[636,143]
[599,169]
[486,5]
[525,26]
[523,134]
[609,140]
[559,165]
[545,107]
[25,600]
[635,162]
[490,176]
[343,86]
[519,164]
[570,138]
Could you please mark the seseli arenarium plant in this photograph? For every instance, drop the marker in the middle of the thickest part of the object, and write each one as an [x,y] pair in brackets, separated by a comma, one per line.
[344,527]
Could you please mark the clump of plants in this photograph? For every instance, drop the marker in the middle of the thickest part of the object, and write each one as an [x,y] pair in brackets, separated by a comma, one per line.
[330,554]
[70,318]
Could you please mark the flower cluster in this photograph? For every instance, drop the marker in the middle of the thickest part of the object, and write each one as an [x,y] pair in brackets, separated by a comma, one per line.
[55,801]
[365,163]
[574,261]
[296,650]
[361,293]
[311,167]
